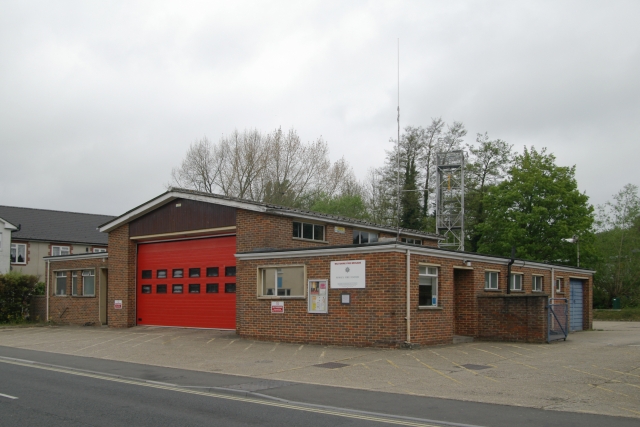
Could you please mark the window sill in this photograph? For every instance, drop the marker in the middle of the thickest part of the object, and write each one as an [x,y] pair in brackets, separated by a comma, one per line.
[518,291]
[492,290]
[18,263]
[281,297]
[83,296]
[310,240]
[537,292]
[429,307]
[559,293]
[64,296]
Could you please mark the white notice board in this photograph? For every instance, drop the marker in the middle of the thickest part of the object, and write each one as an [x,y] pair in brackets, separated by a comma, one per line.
[348,274]
[318,296]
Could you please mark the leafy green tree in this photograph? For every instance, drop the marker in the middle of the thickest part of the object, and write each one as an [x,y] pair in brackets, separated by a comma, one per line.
[487,165]
[618,244]
[348,205]
[537,207]
[410,198]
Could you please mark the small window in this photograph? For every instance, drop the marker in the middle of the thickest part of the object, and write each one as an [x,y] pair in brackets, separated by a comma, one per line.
[18,253]
[146,289]
[428,287]
[360,237]
[99,250]
[558,285]
[303,230]
[212,288]
[411,241]
[230,271]
[516,282]
[491,280]
[88,283]
[161,289]
[74,283]
[147,274]
[61,282]
[177,272]
[536,284]
[176,289]
[161,274]
[194,288]
[194,272]
[212,271]
[229,288]
[281,281]
[60,250]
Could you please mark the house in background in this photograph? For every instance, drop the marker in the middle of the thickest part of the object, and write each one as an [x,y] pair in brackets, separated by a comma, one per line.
[5,244]
[40,233]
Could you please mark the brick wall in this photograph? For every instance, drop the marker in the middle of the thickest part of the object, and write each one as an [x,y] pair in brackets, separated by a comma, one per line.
[38,308]
[122,278]
[518,318]
[75,309]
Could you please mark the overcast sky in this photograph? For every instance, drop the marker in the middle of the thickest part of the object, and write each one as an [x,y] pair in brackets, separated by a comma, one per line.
[100,100]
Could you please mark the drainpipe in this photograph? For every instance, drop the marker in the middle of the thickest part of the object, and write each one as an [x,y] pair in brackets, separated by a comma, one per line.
[47,291]
[408,297]
[553,282]
[511,261]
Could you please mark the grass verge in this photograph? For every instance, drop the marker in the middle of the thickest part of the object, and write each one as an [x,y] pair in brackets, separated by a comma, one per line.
[628,314]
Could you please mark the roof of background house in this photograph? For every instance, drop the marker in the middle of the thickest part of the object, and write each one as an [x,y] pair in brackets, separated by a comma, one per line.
[55,226]
[174,193]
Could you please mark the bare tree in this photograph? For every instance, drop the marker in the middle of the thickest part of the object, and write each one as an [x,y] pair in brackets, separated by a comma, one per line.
[201,167]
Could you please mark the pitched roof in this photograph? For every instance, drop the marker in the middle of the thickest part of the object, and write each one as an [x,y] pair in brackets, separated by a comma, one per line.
[174,193]
[55,226]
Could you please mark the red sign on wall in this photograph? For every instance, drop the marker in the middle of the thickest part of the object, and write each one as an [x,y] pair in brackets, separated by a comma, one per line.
[117,304]
[277,306]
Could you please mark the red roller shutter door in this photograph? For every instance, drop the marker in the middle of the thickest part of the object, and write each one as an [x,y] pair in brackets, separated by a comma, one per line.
[207,298]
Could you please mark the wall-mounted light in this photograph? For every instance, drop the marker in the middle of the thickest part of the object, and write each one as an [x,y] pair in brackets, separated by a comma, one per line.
[467,262]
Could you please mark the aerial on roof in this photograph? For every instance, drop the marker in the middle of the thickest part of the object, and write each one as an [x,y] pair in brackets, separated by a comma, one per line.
[174,193]
[55,226]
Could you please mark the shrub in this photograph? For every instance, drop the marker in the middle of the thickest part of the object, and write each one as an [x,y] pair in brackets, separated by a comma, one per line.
[16,290]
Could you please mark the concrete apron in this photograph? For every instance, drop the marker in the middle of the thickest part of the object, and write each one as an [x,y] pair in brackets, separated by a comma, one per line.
[594,371]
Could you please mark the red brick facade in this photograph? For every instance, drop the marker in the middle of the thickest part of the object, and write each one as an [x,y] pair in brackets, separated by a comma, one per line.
[515,317]
[76,309]
[122,278]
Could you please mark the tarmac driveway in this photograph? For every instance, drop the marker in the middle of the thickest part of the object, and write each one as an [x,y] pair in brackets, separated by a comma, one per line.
[593,371]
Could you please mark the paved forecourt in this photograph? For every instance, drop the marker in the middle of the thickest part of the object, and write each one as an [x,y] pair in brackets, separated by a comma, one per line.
[593,372]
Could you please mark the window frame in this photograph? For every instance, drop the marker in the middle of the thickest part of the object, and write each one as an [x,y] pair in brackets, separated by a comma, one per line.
[68,248]
[414,241]
[74,284]
[558,285]
[260,287]
[369,234]
[91,273]
[489,288]
[535,277]
[60,275]
[99,250]
[433,292]
[313,231]
[512,282]
[14,246]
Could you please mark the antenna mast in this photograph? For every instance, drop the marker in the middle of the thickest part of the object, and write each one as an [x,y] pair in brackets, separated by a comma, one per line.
[398,153]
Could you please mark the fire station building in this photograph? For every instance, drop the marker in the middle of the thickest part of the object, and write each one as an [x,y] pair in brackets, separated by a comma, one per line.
[191,259]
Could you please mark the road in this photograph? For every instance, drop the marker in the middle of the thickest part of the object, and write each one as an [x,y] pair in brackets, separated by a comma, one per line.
[38,388]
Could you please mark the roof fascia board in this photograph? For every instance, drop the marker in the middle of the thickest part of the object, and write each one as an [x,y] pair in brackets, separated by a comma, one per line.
[349,224]
[8,225]
[403,248]
[223,202]
[72,257]
[56,242]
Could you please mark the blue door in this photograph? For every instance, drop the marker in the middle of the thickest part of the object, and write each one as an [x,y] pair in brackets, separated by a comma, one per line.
[576,305]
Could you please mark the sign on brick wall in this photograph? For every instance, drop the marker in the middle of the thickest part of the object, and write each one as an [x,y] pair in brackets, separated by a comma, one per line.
[277,306]
[348,274]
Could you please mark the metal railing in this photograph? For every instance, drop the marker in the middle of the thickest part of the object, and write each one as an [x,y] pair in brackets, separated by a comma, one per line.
[558,312]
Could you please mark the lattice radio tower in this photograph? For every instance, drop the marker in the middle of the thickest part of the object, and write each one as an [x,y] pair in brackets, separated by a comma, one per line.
[450,199]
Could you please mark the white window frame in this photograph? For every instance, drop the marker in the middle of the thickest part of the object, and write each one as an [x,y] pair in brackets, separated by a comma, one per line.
[99,250]
[411,240]
[369,234]
[558,284]
[59,275]
[261,274]
[512,282]
[313,231]
[487,283]
[74,284]
[60,250]
[0,242]
[534,278]
[15,246]
[88,273]
[434,292]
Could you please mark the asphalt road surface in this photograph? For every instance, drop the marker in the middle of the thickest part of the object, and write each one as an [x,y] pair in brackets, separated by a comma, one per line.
[38,388]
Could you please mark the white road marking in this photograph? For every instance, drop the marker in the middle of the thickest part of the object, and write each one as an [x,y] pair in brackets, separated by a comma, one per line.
[7,396]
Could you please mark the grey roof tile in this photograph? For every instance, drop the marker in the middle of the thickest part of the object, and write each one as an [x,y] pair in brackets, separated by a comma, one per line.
[55,226]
